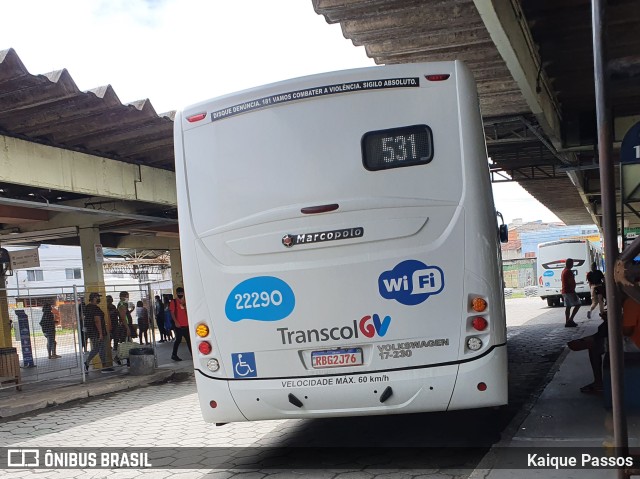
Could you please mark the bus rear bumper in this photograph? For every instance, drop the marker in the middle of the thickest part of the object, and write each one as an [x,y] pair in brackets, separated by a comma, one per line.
[490,371]
[412,391]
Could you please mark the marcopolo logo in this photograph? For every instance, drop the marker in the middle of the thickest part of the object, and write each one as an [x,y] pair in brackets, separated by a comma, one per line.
[290,240]
[411,282]
[369,326]
[548,273]
[263,298]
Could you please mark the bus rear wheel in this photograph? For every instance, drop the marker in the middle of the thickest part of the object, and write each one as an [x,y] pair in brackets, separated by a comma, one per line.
[553,302]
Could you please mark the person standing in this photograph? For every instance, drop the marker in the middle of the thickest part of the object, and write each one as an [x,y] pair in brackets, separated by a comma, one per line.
[595,278]
[178,309]
[168,319]
[569,295]
[158,312]
[124,314]
[117,330]
[96,330]
[48,325]
[142,314]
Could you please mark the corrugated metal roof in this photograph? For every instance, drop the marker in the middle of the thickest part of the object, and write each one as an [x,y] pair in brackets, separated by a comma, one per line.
[52,110]
[406,31]
[399,31]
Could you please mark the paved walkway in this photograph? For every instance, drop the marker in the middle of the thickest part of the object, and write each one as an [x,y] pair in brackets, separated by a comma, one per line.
[561,422]
[39,395]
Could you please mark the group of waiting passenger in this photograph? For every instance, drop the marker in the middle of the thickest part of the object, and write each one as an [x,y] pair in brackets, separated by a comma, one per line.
[171,318]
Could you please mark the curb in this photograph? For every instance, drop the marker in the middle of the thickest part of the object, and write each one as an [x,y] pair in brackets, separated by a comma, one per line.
[26,402]
[487,463]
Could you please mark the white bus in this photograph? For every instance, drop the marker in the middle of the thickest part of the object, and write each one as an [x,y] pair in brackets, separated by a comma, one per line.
[552,257]
[340,247]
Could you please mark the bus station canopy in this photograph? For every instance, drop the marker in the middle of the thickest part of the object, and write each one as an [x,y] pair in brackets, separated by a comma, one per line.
[532,62]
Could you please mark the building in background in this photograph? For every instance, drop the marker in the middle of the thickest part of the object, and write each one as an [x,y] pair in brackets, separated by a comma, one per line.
[513,249]
[61,269]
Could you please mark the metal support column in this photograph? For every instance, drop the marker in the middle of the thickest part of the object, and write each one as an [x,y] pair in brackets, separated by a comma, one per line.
[609,223]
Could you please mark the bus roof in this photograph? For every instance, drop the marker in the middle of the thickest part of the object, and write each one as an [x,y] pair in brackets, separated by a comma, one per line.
[566,241]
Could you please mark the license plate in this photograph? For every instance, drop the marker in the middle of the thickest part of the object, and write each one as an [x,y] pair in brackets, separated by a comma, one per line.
[336,358]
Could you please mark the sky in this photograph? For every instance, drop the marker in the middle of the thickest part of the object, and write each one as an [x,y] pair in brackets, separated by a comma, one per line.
[179,52]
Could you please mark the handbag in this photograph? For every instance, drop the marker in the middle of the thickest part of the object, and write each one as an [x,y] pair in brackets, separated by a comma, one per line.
[124,348]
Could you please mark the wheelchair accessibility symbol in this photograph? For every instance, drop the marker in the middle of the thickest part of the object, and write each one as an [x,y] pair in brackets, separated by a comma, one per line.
[244,365]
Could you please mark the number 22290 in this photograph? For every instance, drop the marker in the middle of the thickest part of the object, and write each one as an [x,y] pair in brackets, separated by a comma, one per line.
[258,300]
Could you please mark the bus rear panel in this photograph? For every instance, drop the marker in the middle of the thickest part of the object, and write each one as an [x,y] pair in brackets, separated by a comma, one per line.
[552,256]
[337,232]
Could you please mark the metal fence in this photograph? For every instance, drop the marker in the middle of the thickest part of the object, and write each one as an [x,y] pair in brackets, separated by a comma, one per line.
[63,354]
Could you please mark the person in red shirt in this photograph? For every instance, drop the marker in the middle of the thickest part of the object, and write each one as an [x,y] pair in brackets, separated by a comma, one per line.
[178,309]
[571,299]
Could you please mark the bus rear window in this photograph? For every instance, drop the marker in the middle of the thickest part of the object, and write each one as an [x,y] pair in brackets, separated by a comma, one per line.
[397,147]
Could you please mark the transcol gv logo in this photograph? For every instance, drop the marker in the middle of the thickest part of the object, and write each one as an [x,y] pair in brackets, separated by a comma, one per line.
[368,326]
[411,282]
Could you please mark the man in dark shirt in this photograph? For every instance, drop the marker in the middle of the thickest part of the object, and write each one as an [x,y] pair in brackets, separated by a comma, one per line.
[595,278]
[96,330]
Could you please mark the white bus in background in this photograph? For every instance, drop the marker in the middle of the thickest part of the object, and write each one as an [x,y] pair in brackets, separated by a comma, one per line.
[551,261]
[340,247]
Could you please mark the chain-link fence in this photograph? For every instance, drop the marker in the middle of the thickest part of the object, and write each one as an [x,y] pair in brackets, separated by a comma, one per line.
[49,334]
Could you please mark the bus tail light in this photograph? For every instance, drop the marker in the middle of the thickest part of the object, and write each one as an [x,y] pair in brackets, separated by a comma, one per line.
[202,330]
[474,343]
[205,347]
[312,210]
[482,387]
[479,323]
[213,365]
[440,77]
[197,117]
[478,304]
[213,404]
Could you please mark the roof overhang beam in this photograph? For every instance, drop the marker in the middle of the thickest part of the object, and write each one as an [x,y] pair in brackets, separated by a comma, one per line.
[510,33]
[41,166]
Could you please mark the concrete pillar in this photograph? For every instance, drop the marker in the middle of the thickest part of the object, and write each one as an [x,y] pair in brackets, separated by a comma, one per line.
[176,268]
[93,274]
[92,270]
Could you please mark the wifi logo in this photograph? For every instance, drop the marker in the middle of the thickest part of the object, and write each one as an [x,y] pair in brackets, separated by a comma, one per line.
[411,282]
